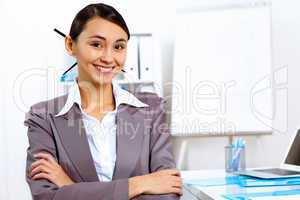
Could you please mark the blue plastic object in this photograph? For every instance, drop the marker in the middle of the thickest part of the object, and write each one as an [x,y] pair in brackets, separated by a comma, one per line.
[256,182]
[229,180]
[243,181]
[69,77]
[249,196]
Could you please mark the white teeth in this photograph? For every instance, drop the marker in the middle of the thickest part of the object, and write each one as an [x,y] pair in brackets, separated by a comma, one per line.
[104,69]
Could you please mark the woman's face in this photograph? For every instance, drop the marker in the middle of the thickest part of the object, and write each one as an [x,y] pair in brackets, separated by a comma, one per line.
[100,50]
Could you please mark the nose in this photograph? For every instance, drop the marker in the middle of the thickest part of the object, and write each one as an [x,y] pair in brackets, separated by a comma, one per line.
[107,56]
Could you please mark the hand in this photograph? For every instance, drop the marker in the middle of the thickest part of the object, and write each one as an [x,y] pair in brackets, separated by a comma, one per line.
[161,182]
[46,167]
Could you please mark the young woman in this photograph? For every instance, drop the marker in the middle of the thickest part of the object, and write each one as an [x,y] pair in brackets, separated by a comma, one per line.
[100,142]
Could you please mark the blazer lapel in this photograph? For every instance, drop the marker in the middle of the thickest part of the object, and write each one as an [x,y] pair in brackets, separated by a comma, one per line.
[130,130]
[71,131]
[130,133]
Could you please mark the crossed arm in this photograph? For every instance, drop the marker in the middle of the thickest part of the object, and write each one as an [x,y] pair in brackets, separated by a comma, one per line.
[48,180]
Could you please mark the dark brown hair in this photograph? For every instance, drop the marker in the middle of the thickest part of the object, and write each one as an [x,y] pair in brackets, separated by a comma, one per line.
[96,10]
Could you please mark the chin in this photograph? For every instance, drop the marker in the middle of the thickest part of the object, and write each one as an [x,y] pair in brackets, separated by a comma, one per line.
[103,80]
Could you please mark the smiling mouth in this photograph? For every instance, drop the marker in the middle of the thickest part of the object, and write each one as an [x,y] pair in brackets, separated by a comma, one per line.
[104,69]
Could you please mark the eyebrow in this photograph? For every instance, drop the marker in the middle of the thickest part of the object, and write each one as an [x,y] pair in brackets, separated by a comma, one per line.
[103,38]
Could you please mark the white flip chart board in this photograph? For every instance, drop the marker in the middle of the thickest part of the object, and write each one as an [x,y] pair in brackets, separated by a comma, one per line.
[222,70]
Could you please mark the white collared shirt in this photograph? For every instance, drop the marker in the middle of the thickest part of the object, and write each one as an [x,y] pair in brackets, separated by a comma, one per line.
[101,135]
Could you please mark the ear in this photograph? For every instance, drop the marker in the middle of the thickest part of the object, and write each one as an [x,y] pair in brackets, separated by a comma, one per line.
[69,45]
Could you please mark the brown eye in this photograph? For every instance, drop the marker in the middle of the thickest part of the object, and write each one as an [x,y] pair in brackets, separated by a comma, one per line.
[120,46]
[96,44]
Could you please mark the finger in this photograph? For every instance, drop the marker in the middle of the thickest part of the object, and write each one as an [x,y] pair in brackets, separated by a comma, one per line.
[45,156]
[40,169]
[42,175]
[175,172]
[178,179]
[177,182]
[41,162]
[167,171]
[178,174]
[174,178]
[176,191]
[177,185]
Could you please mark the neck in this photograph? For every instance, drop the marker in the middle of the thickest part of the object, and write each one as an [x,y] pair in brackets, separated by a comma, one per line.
[98,96]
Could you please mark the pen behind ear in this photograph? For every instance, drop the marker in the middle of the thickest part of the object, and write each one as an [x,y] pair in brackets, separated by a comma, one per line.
[64,35]
[59,32]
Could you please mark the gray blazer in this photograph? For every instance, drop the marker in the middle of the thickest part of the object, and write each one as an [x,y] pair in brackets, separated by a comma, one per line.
[143,146]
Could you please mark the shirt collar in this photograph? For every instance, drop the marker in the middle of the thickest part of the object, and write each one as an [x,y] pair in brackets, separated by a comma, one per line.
[121,97]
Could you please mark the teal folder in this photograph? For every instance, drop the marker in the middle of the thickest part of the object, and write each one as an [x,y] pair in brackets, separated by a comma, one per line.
[255,182]
[243,181]
[249,196]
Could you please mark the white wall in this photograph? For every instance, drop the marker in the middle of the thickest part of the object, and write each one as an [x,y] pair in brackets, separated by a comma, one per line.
[27,34]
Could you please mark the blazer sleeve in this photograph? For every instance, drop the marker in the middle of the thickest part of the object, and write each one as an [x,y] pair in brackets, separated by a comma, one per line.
[161,151]
[41,139]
